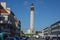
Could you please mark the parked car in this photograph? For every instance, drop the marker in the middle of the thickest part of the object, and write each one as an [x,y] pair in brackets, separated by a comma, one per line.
[36,36]
[18,38]
[10,38]
[47,38]
[55,38]
[25,37]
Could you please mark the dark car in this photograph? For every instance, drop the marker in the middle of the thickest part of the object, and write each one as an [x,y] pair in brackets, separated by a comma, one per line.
[55,38]
[10,38]
[25,37]
[18,38]
[47,38]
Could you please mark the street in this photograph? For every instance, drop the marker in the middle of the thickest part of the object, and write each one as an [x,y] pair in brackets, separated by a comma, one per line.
[32,38]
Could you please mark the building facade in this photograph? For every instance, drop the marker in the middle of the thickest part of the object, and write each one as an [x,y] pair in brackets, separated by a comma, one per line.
[8,21]
[53,30]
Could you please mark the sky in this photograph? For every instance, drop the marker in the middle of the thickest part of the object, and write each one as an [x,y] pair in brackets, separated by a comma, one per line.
[46,12]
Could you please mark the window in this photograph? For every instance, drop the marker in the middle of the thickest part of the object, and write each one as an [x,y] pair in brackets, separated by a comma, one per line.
[2,18]
[6,18]
[59,24]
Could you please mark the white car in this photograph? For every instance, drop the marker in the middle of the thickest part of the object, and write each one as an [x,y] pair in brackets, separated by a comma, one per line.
[36,36]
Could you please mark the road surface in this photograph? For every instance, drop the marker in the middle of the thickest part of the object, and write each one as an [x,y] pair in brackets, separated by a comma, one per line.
[32,38]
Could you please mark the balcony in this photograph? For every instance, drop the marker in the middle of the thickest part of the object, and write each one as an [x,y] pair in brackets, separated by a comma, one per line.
[1,21]
[6,30]
[5,22]
[9,22]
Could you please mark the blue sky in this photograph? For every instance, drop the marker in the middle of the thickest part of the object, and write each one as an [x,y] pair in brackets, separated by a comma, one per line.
[46,13]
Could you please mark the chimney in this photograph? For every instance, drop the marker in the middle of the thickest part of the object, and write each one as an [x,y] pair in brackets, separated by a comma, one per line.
[3,4]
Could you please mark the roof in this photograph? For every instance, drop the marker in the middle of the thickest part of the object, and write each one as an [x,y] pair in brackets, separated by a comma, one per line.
[55,23]
[32,4]
[2,10]
[45,28]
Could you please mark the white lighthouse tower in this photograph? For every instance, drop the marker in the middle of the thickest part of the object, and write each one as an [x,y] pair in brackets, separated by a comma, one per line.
[32,19]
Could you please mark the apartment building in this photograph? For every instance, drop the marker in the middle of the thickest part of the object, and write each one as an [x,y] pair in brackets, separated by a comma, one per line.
[47,31]
[9,25]
[53,30]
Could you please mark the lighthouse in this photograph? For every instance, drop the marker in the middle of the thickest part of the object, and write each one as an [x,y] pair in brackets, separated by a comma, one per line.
[32,19]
